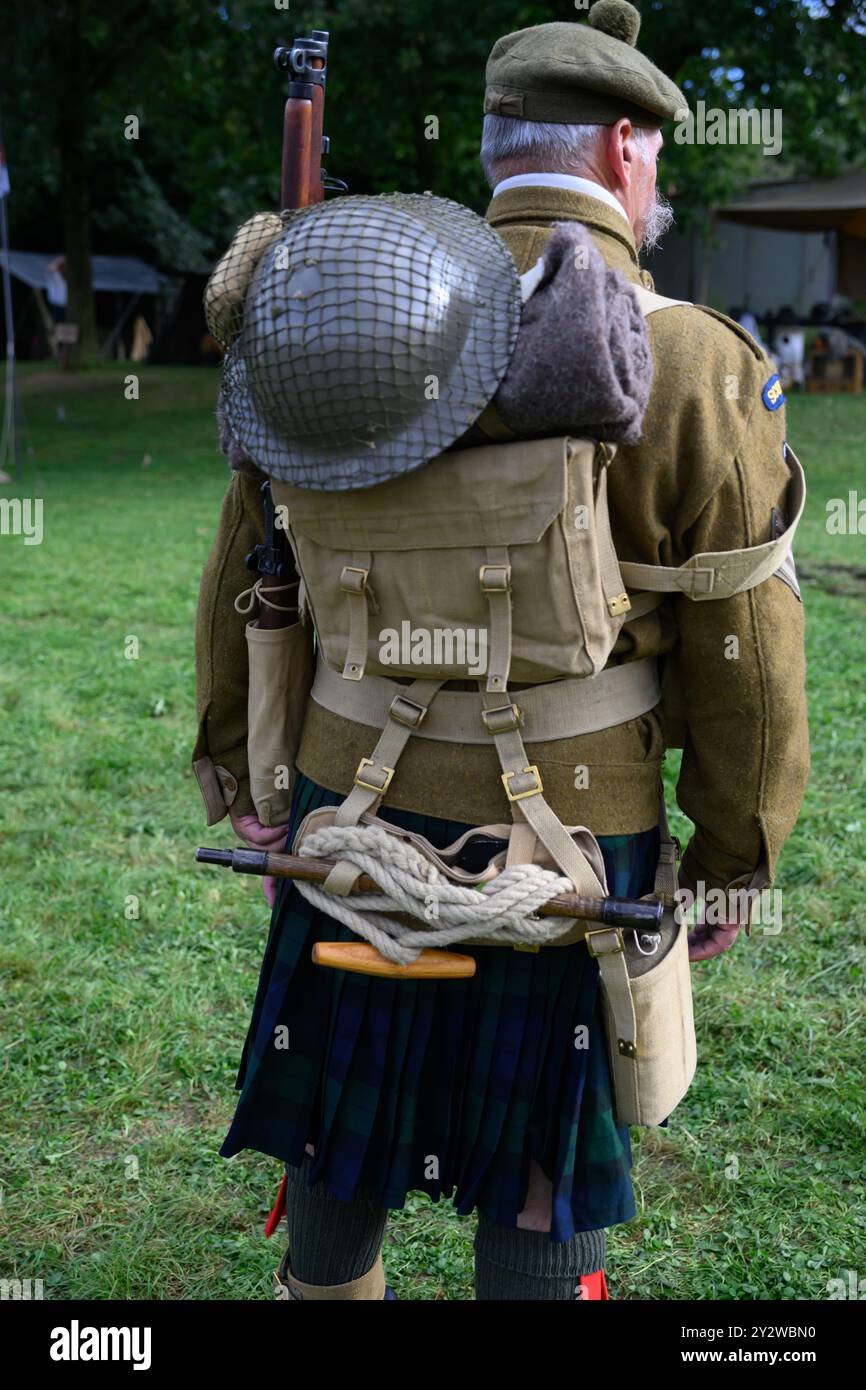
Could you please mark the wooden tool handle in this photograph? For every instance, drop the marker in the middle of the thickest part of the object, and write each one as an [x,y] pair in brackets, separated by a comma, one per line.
[613,911]
[363,959]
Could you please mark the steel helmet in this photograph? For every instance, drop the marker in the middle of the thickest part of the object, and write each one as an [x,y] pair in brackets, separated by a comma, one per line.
[375,332]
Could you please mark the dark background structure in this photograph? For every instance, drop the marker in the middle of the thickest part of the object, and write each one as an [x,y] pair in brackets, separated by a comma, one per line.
[199,78]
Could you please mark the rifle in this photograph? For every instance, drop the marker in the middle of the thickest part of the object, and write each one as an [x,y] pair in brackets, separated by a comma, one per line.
[303,182]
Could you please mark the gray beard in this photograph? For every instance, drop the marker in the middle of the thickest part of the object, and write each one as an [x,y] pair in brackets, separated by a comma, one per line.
[660,219]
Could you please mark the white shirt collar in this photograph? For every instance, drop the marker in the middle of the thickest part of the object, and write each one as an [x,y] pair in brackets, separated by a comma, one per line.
[577,185]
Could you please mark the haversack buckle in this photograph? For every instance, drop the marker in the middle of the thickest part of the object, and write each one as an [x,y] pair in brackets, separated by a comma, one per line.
[378,768]
[614,932]
[534,790]
[405,711]
[495,579]
[505,719]
[353,579]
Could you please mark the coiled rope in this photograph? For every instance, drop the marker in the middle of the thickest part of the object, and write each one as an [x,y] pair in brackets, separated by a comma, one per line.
[501,910]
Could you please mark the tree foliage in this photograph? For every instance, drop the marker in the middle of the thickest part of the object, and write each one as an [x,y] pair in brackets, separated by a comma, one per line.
[200,78]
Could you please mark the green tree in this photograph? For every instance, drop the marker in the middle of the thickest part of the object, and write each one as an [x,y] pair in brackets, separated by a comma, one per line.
[200,78]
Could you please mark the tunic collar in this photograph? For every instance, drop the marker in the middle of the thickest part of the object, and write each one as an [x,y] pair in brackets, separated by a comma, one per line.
[543,206]
[571,181]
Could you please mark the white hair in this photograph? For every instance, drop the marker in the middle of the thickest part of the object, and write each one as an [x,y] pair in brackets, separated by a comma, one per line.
[552,148]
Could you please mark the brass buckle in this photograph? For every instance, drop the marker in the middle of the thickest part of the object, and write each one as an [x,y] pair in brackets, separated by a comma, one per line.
[495,579]
[351,585]
[512,718]
[521,796]
[405,711]
[605,931]
[373,786]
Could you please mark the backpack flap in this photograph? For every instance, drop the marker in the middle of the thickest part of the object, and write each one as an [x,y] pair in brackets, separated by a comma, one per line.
[494,561]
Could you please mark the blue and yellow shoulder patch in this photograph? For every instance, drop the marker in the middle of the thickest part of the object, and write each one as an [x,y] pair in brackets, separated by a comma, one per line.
[772,395]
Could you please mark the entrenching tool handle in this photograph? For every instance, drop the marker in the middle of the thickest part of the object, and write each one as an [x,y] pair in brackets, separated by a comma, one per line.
[634,914]
[363,959]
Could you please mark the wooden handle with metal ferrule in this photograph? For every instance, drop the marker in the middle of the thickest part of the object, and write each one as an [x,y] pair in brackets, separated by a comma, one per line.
[363,959]
[638,914]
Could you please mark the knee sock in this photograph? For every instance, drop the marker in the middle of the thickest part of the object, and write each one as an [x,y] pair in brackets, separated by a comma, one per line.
[330,1242]
[511,1264]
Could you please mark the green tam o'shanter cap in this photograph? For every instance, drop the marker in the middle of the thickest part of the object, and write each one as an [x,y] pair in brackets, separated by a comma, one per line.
[580,74]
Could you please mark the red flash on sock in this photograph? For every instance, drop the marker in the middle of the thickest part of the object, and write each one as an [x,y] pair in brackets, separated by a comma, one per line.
[277,1210]
[593,1287]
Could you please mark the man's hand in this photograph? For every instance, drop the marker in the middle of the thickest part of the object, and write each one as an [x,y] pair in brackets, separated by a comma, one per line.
[707,941]
[270,838]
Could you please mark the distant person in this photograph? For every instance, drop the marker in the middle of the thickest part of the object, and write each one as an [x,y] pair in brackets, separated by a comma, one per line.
[56,291]
[746,319]
[142,338]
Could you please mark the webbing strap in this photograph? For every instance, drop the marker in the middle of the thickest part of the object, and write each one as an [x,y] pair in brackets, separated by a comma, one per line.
[607,946]
[491,424]
[523,788]
[522,844]
[374,774]
[641,604]
[611,576]
[716,574]
[353,582]
[560,709]
[666,879]
[721,574]
[495,580]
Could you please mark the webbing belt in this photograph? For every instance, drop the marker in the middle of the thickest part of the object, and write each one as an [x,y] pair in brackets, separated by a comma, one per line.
[559,709]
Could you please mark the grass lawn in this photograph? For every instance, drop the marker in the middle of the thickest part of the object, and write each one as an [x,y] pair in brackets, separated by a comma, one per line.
[128,974]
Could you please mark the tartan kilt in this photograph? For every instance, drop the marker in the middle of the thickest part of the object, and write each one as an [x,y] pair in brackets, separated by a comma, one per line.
[443,1087]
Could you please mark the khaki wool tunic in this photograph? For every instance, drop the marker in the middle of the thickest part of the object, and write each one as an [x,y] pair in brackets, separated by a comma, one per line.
[706,476]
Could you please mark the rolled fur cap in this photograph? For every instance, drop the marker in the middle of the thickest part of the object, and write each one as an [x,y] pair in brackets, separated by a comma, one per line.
[582,364]
[580,74]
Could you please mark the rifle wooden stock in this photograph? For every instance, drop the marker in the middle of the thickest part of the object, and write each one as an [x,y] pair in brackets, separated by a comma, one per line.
[295,190]
[300,186]
[317,187]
